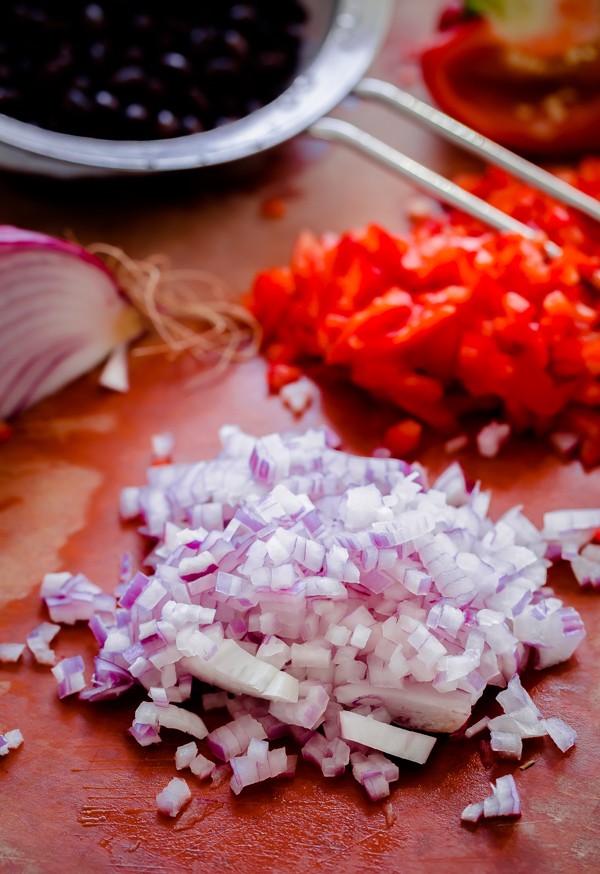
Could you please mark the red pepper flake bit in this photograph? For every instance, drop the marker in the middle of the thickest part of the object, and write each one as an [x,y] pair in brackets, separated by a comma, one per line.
[279,374]
[5,430]
[403,438]
[273,208]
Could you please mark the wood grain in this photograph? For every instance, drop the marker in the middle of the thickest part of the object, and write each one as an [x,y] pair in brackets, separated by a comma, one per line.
[80,794]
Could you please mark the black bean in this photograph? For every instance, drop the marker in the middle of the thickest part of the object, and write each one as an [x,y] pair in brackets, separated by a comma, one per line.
[143,22]
[77,101]
[8,97]
[199,100]
[174,62]
[61,62]
[220,71]
[99,54]
[107,101]
[167,125]
[94,16]
[134,55]
[236,43]
[138,69]
[82,82]
[191,124]
[202,40]
[243,13]
[129,76]
[137,113]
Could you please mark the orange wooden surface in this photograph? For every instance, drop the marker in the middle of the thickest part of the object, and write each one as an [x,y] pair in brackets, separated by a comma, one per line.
[80,794]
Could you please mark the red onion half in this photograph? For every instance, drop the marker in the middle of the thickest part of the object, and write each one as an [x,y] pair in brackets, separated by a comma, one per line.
[62,314]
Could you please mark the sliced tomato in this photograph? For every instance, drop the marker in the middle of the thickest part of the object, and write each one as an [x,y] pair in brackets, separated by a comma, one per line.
[537,106]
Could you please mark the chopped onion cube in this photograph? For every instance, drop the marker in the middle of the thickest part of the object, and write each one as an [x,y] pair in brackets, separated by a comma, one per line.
[11,652]
[507,744]
[562,734]
[504,801]
[69,676]
[472,812]
[38,640]
[171,800]
[10,740]
[202,767]
[184,755]
[491,438]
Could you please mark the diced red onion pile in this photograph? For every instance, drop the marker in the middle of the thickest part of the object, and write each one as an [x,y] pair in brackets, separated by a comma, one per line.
[333,599]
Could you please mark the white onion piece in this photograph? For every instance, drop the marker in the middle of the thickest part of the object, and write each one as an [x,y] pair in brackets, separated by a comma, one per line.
[477,727]
[62,314]
[586,571]
[472,812]
[171,717]
[389,739]
[115,373]
[10,740]
[508,744]
[201,767]
[172,799]
[69,676]
[235,670]
[11,652]
[185,754]
[504,801]
[562,734]
[560,523]
[491,438]
[38,640]
[416,706]
[298,396]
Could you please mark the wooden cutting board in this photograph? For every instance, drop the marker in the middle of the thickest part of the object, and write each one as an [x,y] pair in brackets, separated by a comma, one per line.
[79,796]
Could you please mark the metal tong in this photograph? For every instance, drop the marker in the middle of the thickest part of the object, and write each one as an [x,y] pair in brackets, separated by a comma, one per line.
[448,128]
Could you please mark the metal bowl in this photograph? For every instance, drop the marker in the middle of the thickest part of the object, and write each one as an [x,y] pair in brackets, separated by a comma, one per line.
[343,38]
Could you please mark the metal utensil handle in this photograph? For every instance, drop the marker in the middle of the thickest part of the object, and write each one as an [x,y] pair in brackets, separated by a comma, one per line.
[473,142]
[427,179]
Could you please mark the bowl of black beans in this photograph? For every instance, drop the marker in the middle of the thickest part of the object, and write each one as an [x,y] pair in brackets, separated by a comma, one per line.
[122,87]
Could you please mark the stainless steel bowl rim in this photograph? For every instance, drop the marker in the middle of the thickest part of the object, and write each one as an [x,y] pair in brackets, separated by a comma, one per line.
[352,41]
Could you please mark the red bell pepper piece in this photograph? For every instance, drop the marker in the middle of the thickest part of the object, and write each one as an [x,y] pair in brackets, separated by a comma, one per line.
[403,438]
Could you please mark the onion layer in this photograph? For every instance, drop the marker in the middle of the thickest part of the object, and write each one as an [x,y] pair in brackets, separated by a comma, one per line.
[62,314]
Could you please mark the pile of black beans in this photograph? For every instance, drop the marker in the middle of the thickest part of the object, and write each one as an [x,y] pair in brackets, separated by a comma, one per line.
[122,69]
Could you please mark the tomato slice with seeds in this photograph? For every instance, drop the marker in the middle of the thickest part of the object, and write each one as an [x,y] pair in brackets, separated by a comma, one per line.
[535,105]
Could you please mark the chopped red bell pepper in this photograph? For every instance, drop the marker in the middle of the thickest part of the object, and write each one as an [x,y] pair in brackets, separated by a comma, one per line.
[530,103]
[452,318]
